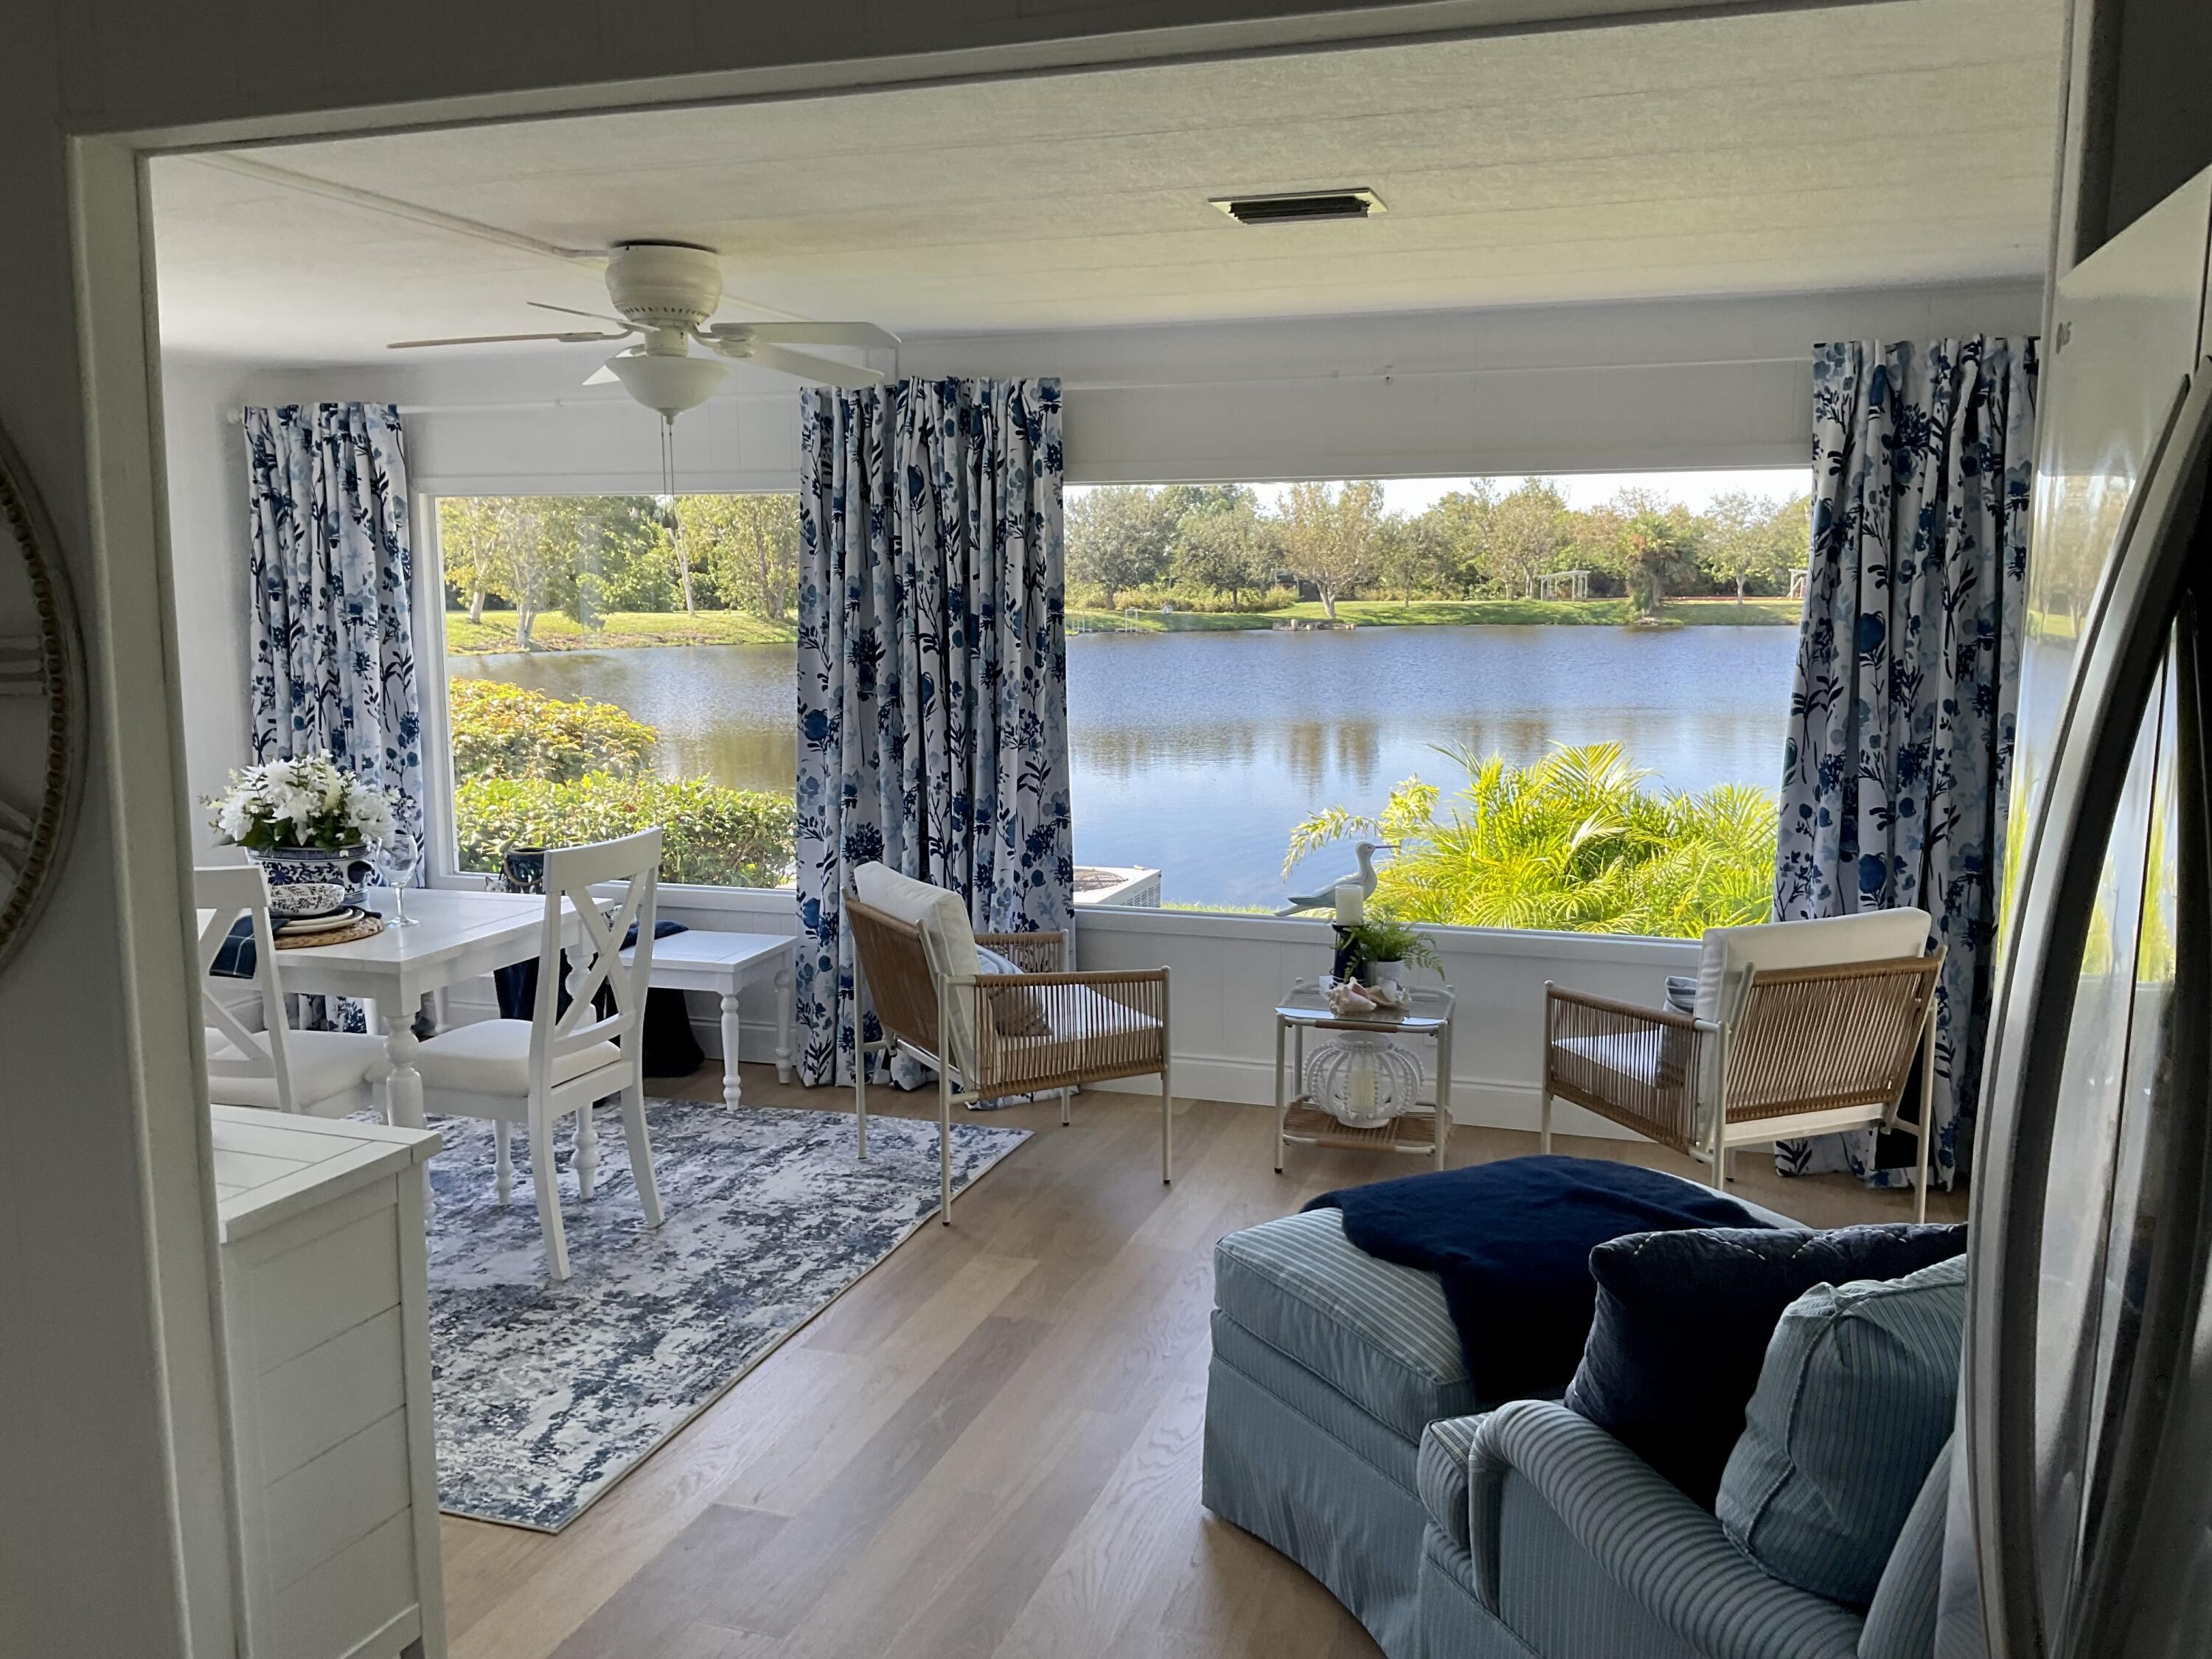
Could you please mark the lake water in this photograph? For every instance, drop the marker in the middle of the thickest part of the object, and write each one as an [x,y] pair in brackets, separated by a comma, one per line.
[1197,753]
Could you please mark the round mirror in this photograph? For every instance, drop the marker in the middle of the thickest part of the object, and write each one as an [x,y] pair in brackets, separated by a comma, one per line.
[42,704]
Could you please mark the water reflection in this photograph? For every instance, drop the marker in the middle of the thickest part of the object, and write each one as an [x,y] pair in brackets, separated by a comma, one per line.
[1197,753]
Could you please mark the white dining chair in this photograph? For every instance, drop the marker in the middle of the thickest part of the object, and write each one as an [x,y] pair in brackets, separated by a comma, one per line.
[321,1074]
[537,1071]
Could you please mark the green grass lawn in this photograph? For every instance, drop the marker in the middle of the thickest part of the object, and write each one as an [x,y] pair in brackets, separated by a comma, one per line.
[618,631]
[621,630]
[1388,613]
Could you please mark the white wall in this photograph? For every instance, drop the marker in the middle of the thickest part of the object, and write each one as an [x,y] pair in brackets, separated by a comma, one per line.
[206,477]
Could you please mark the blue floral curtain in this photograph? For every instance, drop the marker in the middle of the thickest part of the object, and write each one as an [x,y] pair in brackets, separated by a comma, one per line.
[1894,785]
[933,666]
[331,565]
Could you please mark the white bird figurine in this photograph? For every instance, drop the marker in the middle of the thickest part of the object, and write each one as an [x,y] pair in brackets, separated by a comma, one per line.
[1326,899]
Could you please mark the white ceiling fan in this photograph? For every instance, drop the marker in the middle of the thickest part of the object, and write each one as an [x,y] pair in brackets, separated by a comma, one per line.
[666,292]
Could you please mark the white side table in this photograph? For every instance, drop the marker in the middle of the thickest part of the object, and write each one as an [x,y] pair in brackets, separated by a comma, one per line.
[1422,1131]
[723,963]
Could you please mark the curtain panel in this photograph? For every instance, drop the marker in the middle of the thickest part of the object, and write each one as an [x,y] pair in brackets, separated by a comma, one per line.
[1896,773]
[332,571]
[933,668]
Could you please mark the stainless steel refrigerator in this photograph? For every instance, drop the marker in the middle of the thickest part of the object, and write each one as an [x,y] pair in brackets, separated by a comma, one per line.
[2082,1509]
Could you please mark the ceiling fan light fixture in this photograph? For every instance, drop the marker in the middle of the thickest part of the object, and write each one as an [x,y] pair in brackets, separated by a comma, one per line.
[669,385]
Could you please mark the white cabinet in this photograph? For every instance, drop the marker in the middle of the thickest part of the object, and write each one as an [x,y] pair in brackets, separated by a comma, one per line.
[327,1345]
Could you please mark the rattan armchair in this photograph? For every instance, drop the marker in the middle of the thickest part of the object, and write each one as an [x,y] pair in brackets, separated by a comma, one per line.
[1044,1030]
[1802,1051]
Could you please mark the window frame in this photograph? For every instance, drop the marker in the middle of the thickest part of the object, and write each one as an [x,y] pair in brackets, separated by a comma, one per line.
[441,823]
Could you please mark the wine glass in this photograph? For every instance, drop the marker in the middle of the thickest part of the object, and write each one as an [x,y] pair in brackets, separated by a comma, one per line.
[401,854]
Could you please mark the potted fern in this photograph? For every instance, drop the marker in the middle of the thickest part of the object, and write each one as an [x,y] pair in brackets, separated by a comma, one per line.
[1377,951]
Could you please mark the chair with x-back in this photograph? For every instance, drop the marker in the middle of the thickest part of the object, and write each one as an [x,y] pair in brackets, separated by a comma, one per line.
[322,1074]
[566,1059]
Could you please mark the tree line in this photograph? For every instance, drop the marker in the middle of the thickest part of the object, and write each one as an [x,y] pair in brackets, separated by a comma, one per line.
[1218,547]
[590,556]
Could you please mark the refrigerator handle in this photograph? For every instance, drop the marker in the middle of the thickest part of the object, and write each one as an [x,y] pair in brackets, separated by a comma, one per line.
[2111,687]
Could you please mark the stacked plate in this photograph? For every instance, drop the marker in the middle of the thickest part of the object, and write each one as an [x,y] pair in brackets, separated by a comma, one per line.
[326,921]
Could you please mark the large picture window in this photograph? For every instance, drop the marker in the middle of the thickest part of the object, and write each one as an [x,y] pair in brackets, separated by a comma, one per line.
[616,661]
[1559,703]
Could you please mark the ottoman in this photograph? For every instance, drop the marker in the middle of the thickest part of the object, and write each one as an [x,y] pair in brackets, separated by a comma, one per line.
[1327,1366]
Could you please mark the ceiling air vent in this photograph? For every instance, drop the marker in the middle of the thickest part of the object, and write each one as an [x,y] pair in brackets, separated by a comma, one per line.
[1300,206]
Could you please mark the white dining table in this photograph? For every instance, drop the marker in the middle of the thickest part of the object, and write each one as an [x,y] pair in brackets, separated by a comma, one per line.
[456,936]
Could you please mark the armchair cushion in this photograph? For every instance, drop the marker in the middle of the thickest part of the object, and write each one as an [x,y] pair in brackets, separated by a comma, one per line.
[1683,1319]
[1041,1033]
[1014,1012]
[1857,1397]
[1728,954]
[948,939]
[1665,1551]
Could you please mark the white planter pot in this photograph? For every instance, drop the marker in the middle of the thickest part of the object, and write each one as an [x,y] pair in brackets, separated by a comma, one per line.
[1383,973]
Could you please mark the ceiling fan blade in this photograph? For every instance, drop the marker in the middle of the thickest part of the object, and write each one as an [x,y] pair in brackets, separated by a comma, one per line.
[843,334]
[807,366]
[571,311]
[501,339]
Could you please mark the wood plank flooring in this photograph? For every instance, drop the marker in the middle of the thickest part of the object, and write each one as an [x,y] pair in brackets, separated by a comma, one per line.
[988,1448]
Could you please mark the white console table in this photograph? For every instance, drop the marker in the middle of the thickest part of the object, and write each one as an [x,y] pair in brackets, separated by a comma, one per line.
[326,1337]
[702,960]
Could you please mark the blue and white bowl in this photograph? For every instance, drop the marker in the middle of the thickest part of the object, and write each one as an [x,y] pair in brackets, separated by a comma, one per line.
[346,867]
[298,899]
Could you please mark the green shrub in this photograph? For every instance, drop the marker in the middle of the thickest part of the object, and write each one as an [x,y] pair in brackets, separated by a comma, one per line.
[1574,843]
[715,836]
[502,731]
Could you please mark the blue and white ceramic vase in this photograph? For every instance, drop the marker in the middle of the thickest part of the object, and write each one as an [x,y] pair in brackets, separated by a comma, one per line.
[346,866]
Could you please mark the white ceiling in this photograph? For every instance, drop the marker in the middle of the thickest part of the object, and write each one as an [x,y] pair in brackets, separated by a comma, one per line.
[1861,146]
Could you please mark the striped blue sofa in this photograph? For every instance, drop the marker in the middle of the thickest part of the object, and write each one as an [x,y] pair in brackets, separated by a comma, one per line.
[1342,1428]
[1547,1537]
[1329,1366]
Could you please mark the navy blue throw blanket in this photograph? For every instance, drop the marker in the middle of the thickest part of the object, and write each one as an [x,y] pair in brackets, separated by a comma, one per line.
[1512,1242]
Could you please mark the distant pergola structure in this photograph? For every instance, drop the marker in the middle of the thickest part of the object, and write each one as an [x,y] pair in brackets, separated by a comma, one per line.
[1797,584]
[1576,583]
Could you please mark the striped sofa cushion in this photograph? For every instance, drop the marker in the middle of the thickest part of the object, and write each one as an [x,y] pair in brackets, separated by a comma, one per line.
[1901,1623]
[1378,1332]
[1440,1475]
[1855,1400]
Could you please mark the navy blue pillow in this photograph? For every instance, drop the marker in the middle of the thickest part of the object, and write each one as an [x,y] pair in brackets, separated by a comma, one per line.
[1683,1321]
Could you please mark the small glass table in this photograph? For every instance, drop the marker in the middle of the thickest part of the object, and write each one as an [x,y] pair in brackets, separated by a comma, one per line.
[1422,1130]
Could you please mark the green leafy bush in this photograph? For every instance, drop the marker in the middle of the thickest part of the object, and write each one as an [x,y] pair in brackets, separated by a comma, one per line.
[1575,844]
[503,731]
[715,836]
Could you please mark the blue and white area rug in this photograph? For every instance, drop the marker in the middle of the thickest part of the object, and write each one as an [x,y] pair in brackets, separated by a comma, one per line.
[546,1394]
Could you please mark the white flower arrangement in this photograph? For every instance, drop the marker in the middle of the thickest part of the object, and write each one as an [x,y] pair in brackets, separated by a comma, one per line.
[306,802]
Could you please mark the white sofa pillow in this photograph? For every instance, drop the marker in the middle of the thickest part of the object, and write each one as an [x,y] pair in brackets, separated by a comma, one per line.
[1729,954]
[947,939]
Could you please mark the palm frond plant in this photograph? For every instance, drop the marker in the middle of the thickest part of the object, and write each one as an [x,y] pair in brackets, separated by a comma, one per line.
[1379,939]
[1575,842]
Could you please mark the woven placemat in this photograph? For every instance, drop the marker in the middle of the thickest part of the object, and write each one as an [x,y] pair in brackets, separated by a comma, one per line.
[367,928]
